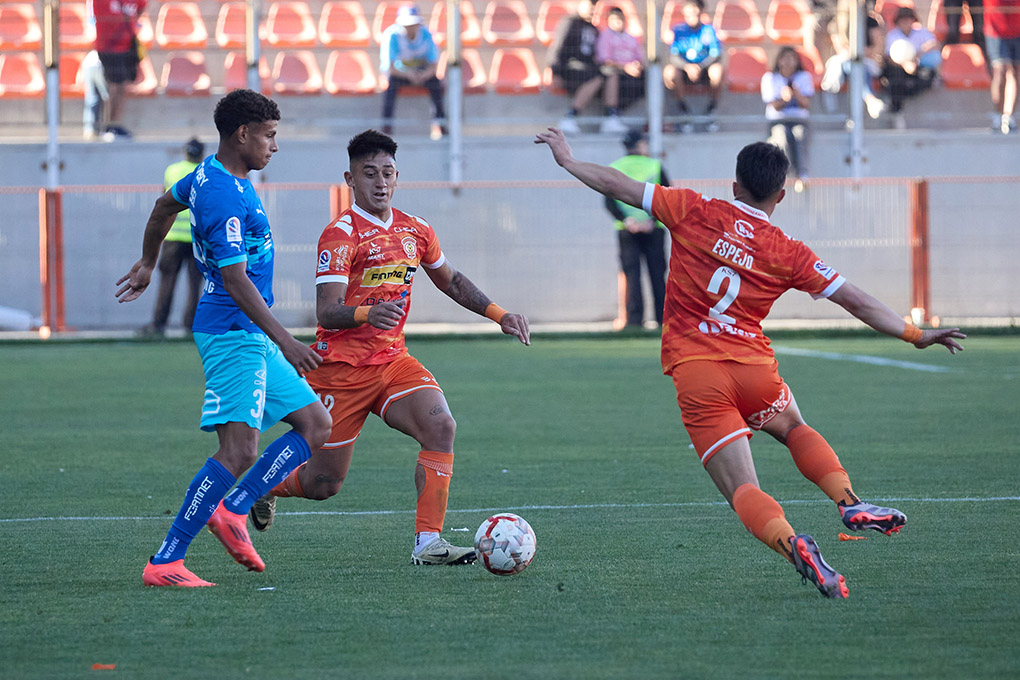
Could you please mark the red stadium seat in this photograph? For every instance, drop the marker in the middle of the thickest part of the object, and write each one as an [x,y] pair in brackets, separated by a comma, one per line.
[179,25]
[21,76]
[71,84]
[296,72]
[343,24]
[385,16]
[146,82]
[744,68]
[738,21]
[964,68]
[811,60]
[937,21]
[231,26]
[185,75]
[888,9]
[550,13]
[550,83]
[788,21]
[470,29]
[289,24]
[349,72]
[630,15]
[672,16]
[235,73]
[472,71]
[515,71]
[76,32]
[507,22]
[19,27]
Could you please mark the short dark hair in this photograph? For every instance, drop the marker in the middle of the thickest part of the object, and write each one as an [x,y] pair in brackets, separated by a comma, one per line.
[699,3]
[616,10]
[369,143]
[783,52]
[242,107]
[761,169]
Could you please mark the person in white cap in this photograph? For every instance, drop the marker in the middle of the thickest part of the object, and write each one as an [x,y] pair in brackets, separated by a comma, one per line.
[409,57]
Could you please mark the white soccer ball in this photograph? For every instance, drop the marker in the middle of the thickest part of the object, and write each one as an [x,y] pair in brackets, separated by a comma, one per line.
[505,543]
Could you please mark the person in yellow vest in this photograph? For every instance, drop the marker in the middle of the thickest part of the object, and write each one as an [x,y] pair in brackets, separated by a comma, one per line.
[176,251]
[640,236]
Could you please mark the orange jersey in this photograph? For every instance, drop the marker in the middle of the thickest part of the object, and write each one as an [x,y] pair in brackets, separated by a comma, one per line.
[728,265]
[378,262]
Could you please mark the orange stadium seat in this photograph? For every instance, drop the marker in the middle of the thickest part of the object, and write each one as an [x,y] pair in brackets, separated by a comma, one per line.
[146,33]
[738,21]
[21,76]
[964,68]
[515,71]
[185,75]
[470,29]
[235,73]
[289,24]
[349,72]
[550,84]
[937,21]
[343,24]
[630,15]
[787,21]
[385,16]
[811,60]
[744,68]
[472,71]
[146,82]
[231,26]
[550,13]
[19,27]
[76,32]
[507,22]
[179,25]
[888,9]
[71,84]
[296,72]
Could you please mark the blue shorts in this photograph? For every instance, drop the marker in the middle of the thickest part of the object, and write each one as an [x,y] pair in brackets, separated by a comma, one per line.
[248,380]
[1003,49]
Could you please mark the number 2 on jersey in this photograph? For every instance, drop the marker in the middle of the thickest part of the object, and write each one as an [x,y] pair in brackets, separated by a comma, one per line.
[732,290]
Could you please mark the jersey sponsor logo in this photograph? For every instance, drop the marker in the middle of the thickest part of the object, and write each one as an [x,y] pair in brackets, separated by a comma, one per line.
[376,276]
[374,249]
[370,233]
[322,346]
[716,327]
[733,253]
[825,270]
[240,188]
[744,228]
[200,175]
[410,246]
[403,229]
[234,235]
[324,259]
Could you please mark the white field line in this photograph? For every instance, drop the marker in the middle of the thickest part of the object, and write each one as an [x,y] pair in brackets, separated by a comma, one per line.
[586,506]
[861,359]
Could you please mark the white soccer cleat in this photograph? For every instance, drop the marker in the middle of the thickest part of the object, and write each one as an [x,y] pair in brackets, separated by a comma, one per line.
[440,551]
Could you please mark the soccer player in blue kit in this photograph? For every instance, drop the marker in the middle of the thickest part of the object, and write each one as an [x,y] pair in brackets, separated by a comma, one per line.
[253,366]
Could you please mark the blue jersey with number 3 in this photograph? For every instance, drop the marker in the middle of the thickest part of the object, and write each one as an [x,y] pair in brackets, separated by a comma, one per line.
[228,226]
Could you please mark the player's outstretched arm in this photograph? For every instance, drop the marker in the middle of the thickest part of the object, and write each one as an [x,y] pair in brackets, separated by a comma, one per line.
[603,179]
[160,220]
[331,312]
[879,316]
[461,290]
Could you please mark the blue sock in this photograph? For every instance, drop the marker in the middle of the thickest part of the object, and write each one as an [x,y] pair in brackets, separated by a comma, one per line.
[278,460]
[205,492]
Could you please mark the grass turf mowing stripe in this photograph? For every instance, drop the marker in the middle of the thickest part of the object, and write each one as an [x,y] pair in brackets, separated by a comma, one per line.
[861,359]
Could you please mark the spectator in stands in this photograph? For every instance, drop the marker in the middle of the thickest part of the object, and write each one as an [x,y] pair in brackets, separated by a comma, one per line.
[1002,41]
[695,58]
[912,60]
[823,20]
[96,95]
[408,56]
[621,59]
[177,251]
[572,60]
[120,52]
[837,67]
[787,91]
[640,237]
[954,13]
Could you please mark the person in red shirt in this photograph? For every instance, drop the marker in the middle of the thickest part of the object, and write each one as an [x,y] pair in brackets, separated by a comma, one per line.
[117,45]
[1002,46]
[728,265]
[368,258]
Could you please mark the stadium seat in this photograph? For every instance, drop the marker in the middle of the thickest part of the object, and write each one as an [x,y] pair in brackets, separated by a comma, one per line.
[888,9]
[179,25]
[21,76]
[672,16]
[71,84]
[296,72]
[231,26]
[472,71]
[146,82]
[811,60]
[289,24]
[19,27]
[550,84]
[937,21]
[235,73]
[515,71]
[470,29]
[76,31]
[738,21]
[385,16]
[349,72]
[343,24]
[507,22]
[185,75]
[550,13]
[146,33]
[787,21]
[630,15]
[744,68]
[964,68]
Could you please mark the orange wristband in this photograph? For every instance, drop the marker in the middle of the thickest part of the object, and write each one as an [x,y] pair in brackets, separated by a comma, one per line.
[361,314]
[494,312]
[911,333]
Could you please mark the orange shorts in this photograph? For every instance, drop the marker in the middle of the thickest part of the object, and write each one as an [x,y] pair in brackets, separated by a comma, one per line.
[351,392]
[721,401]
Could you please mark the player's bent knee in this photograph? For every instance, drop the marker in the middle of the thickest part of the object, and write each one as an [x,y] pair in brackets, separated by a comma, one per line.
[324,486]
[440,432]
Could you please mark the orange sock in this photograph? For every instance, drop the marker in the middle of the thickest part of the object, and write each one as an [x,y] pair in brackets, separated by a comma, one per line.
[818,462]
[434,491]
[764,518]
[290,486]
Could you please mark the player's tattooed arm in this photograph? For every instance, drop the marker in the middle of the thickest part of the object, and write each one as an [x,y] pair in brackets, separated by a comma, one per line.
[330,310]
[466,294]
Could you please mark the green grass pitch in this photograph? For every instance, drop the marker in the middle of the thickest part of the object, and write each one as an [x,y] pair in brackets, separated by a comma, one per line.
[640,572]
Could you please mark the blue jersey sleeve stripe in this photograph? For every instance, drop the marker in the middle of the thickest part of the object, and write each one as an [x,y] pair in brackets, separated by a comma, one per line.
[232,260]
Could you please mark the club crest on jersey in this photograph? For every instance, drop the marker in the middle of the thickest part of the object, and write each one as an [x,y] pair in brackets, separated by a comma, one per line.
[744,228]
[234,230]
[324,258]
[410,246]
[825,270]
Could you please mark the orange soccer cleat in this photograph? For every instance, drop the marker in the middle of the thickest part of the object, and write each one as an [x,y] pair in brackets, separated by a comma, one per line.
[171,574]
[232,530]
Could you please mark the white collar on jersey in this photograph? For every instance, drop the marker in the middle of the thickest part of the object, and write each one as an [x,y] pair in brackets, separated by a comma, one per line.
[372,219]
[752,211]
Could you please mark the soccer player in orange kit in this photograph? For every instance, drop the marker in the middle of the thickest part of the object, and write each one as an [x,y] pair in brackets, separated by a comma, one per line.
[728,265]
[368,257]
